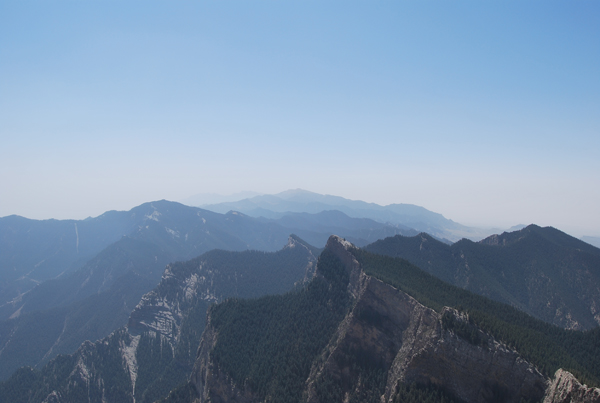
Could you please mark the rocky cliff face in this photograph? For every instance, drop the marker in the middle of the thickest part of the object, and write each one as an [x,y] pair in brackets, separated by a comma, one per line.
[210,382]
[407,340]
[388,332]
[542,271]
[565,388]
[156,352]
[215,276]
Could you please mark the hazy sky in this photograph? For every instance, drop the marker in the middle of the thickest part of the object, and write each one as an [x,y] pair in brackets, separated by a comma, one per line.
[487,112]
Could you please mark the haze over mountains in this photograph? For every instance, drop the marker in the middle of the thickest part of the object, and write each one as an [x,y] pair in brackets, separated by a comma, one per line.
[98,291]
[64,282]
[359,325]
[155,349]
[302,201]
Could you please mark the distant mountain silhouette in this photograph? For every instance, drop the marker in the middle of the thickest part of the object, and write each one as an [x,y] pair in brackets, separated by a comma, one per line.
[302,201]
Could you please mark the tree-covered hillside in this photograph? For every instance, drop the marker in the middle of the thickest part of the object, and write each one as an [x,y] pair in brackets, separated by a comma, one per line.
[541,271]
[268,346]
[57,315]
[156,351]
[548,347]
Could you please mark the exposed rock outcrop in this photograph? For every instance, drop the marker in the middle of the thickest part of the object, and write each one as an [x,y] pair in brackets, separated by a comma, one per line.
[212,384]
[407,339]
[387,330]
[565,388]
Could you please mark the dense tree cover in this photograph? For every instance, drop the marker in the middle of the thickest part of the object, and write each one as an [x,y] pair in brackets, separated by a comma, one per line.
[368,376]
[252,273]
[184,393]
[413,393]
[259,340]
[164,360]
[464,329]
[269,344]
[541,271]
[547,346]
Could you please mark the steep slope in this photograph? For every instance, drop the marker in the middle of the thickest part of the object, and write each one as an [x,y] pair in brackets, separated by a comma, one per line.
[592,240]
[94,300]
[34,251]
[156,351]
[565,388]
[58,315]
[385,345]
[541,271]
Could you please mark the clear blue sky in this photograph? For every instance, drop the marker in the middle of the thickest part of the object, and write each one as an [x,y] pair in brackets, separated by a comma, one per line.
[485,111]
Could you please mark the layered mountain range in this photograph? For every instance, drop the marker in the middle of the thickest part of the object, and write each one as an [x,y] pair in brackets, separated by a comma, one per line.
[90,308]
[57,293]
[541,271]
[358,327]
[404,216]
[155,351]
[376,329]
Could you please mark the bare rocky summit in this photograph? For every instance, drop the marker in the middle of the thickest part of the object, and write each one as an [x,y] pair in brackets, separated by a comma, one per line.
[565,388]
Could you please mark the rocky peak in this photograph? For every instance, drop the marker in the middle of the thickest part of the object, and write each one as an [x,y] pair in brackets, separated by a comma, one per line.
[342,249]
[409,342]
[565,388]
[387,330]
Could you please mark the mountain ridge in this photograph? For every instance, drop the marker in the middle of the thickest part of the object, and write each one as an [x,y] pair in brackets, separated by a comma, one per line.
[302,201]
[155,352]
[385,342]
[542,271]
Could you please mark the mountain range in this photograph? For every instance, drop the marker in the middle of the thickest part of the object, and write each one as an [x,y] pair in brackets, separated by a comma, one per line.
[92,295]
[542,271]
[401,215]
[156,348]
[370,328]
[343,334]
[113,308]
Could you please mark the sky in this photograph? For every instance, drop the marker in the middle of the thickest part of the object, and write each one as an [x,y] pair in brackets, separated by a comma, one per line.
[487,112]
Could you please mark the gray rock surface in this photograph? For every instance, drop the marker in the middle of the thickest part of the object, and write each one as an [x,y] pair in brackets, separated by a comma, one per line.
[565,388]
[407,340]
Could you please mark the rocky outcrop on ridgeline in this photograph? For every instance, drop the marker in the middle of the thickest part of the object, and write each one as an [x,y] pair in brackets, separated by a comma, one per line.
[92,372]
[565,388]
[541,271]
[218,275]
[408,341]
[391,336]
[156,352]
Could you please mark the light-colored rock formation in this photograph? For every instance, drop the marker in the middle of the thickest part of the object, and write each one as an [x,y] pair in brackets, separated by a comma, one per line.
[394,333]
[565,388]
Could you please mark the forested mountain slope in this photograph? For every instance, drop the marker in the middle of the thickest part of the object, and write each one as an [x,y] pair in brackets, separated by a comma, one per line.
[56,316]
[88,304]
[371,328]
[176,231]
[157,349]
[541,271]
[38,251]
